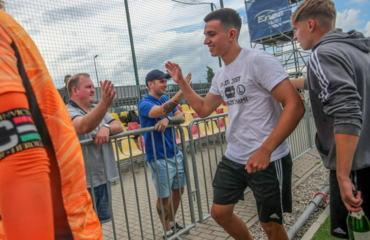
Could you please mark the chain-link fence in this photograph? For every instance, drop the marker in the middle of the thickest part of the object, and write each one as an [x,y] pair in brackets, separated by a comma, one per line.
[120,40]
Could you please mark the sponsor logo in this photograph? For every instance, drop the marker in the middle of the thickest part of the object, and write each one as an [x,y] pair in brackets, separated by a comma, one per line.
[268,14]
[230,92]
[18,132]
[240,89]
[274,215]
[340,231]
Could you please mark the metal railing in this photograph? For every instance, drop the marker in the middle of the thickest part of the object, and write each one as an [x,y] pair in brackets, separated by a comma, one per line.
[203,143]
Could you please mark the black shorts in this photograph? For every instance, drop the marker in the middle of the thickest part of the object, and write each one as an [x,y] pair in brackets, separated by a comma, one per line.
[338,211]
[271,187]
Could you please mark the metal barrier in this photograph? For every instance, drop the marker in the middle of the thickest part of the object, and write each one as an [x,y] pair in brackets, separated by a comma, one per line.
[205,163]
[133,196]
[203,143]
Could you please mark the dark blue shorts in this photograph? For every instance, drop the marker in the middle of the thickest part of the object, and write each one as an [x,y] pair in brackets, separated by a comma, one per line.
[102,202]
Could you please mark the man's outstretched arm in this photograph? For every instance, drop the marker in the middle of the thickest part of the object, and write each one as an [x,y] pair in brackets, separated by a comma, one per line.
[203,107]
[170,105]
[87,123]
[298,82]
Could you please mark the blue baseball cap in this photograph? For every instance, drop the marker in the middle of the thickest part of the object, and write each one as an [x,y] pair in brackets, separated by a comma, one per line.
[155,74]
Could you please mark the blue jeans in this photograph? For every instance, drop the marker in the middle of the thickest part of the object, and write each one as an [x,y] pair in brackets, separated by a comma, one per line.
[175,179]
[102,202]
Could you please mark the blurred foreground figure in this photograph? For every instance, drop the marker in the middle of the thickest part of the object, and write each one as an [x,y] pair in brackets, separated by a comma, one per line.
[42,178]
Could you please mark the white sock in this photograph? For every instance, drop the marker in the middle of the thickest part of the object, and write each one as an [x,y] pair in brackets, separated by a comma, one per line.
[172,224]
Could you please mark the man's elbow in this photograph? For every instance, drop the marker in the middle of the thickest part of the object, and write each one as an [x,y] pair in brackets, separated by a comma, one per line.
[296,108]
[203,115]
[181,120]
[118,129]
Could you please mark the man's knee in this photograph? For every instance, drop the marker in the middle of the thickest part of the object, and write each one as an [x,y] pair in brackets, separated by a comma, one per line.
[221,213]
[271,228]
[163,203]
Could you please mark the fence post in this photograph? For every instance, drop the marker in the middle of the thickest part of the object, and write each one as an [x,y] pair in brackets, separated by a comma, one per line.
[308,123]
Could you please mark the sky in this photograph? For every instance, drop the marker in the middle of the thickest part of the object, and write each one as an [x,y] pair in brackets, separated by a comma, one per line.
[351,14]
[69,34]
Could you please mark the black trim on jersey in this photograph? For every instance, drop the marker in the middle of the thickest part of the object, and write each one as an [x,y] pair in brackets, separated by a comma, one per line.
[62,230]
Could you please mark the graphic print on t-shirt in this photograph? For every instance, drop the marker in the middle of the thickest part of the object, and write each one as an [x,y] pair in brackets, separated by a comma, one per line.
[230,91]
[240,89]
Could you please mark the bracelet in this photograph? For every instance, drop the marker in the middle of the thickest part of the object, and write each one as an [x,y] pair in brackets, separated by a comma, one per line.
[169,119]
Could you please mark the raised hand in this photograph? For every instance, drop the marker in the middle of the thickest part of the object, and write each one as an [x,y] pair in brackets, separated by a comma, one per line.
[188,78]
[175,72]
[107,92]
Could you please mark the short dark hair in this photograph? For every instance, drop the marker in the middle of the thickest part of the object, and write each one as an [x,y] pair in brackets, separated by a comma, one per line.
[67,76]
[228,17]
[74,81]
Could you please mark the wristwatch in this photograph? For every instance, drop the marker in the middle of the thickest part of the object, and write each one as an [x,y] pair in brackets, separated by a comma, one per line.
[169,119]
[107,126]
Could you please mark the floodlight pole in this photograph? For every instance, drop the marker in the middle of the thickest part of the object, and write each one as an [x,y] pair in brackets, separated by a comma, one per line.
[131,42]
[129,28]
[96,73]
[221,4]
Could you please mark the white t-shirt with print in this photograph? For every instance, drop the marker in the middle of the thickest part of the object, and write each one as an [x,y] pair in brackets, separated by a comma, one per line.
[245,85]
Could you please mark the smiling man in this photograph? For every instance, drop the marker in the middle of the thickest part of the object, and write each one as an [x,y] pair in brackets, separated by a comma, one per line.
[158,110]
[92,122]
[253,84]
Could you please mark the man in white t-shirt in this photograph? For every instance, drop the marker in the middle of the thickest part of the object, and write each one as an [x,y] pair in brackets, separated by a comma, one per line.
[254,85]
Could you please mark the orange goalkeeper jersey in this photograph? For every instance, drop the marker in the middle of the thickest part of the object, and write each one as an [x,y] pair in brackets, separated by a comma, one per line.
[43,192]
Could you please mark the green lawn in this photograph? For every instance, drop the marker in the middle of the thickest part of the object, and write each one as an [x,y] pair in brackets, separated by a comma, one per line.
[323,233]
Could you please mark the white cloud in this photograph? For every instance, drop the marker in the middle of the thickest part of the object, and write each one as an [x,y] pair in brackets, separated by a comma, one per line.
[360,2]
[366,30]
[348,19]
[69,35]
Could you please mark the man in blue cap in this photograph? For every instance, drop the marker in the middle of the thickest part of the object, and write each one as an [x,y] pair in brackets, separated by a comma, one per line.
[158,110]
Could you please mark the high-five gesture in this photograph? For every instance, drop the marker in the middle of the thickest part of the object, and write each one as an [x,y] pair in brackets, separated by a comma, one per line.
[188,78]
[175,72]
[107,92]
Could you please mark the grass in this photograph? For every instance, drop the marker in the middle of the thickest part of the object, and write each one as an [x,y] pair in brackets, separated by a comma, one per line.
[323,233]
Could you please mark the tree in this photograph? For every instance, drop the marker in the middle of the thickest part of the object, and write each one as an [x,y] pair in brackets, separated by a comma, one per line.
[210,74]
